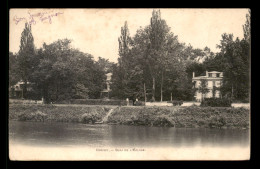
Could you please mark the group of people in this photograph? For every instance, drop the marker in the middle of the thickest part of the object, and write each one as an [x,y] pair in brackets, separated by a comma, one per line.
[134,102]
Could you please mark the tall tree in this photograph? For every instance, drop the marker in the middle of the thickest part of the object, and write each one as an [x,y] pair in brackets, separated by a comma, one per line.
[121,72]
[26,56]
[157,34]
[247,27]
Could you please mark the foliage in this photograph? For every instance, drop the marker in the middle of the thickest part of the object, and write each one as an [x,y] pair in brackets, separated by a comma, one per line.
[139,103]
[34,116]
[65,73]
[203,89]
[55,113]
[182,117]
[153,57]
[26,60]
[216,102]
[56,71]
[90,117]
[176,102]
[13,66]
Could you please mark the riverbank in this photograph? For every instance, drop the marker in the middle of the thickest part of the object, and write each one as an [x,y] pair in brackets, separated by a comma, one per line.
[77,114]
[179,117]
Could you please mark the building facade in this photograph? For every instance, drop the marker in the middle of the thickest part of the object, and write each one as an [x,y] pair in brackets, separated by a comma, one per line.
[16,91]
[105,92]
[213,80]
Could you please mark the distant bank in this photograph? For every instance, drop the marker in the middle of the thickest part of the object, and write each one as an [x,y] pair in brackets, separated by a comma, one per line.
[179,117]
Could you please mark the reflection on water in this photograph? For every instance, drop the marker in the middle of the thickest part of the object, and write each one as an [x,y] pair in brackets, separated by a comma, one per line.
[75,134]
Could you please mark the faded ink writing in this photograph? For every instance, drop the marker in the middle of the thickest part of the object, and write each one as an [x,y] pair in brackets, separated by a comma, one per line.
[33,18]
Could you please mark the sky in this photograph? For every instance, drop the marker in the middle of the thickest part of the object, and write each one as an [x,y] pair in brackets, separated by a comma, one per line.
[96,31]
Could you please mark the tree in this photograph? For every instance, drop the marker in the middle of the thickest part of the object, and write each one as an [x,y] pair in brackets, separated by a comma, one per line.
[13,75]
[153,58]
[26,57]
[120,71]
[203,89]
[158,31]
[233,60]
[66,73]
[105,64]
[247,27]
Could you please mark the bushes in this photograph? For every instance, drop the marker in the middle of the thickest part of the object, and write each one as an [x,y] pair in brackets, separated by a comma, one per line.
[216,122]
[141,116]
[216,102]
[139,103]
[163,120]
[184,117]
[176,102]
[90,117]
[56,113]
[35,116]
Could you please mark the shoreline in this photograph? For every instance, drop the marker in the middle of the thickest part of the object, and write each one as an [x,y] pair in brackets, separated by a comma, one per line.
[178,117]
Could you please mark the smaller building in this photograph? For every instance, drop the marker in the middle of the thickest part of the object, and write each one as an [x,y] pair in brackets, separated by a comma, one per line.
[105,92]
[214,81]
[16,91]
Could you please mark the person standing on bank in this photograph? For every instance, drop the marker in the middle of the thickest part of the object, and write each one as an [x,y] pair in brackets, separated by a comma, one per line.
[136,101]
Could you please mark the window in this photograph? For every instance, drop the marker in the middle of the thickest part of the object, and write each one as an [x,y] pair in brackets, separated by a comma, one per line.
[217,83]
[210,75]
[209,94]
[210,84]
[194,84]
[217,74]
[217,94]
[198,84]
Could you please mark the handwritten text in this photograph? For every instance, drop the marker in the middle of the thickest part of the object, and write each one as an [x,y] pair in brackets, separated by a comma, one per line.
[34,18]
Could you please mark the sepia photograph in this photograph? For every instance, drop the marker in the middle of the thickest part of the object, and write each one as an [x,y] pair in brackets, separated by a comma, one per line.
[132,84]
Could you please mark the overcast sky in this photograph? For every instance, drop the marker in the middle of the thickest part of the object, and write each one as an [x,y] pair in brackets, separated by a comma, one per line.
[96,31]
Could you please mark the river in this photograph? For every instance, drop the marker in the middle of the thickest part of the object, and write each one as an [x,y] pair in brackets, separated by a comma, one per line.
[59,136]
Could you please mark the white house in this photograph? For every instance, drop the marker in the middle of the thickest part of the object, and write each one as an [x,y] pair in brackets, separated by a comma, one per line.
[213,78]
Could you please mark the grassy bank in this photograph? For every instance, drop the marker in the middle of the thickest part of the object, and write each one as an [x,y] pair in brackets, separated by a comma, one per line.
[80,114]
[186,117]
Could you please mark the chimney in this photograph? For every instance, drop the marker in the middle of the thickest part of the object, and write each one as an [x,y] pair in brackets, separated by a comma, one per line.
[193,74]
[207,73]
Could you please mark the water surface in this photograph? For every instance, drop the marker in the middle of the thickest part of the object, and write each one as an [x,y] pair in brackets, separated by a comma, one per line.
[54,134]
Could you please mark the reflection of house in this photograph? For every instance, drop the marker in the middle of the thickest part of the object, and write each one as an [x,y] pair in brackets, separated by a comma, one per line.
[105,92]
[213,81]
[16,91]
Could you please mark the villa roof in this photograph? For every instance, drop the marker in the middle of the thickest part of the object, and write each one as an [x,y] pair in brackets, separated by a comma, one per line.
[205,77]
[214,72]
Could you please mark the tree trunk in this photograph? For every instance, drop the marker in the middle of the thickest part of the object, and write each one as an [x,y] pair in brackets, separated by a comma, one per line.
[144,95]
[153,91]
[25,89]
[45,95]
[232,92]
[162,88]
